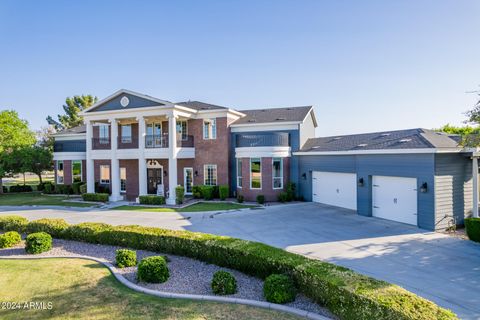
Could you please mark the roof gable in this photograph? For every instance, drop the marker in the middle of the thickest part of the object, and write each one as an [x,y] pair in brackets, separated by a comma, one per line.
[125,99]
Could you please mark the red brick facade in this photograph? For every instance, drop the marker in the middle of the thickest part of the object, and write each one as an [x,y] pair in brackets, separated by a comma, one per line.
[267,180]
[131,167]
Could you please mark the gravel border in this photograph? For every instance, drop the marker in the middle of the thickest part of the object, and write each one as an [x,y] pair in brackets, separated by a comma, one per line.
[189,278]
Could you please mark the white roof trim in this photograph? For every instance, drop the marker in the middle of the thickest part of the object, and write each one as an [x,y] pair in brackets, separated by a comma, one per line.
[312,112]
[250,124]
[124,91]
[379,151]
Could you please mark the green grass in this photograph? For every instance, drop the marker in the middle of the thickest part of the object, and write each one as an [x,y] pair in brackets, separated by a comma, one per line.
[198,207]
[82,289]
[29,199]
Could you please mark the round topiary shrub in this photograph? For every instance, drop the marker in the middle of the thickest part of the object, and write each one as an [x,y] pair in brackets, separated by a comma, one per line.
[38,242]
[223,283]
[126,258]
[279,288]
[9,239]
[153,269]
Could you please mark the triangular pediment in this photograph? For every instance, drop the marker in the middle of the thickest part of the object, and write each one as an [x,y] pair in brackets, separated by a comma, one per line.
[126,99]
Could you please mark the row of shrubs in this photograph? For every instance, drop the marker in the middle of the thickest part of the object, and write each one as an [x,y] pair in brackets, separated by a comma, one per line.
[277,288]
[211,192]
[74,188]
[96,197]
[346,293]
[35,243]
[17,188]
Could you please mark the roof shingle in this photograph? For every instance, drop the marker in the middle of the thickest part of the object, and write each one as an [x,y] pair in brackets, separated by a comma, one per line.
[268,115]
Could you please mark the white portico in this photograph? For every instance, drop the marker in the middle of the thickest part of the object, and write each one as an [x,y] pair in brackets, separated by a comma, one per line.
[156,138]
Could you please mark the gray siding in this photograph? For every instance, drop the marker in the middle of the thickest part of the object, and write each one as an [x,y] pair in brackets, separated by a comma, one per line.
[420,166]
[453,185]
[70,146]
[135,102]
[294,139]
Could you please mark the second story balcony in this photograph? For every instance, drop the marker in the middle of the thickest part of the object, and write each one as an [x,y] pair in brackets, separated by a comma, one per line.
[161,141]
[101,143]
[267,139]
[127,142]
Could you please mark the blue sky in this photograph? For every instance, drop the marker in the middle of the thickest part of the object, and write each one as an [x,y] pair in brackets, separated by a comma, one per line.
[364,65]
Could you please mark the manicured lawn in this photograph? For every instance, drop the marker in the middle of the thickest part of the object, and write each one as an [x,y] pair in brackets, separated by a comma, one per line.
[198,207]
[22,199]
[82,289]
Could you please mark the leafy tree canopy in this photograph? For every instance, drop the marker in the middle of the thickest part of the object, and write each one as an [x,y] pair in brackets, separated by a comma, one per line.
[14,132]
[464,130]
[72,107]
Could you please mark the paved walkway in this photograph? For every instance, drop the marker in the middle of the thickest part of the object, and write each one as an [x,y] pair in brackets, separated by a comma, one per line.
[436,266]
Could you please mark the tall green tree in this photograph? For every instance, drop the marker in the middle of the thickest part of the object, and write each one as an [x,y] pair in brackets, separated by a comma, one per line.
[14,134]
[34,159]
[72,107]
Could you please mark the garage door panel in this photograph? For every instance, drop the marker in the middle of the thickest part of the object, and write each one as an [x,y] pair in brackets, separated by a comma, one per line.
[395,198]
[336,189]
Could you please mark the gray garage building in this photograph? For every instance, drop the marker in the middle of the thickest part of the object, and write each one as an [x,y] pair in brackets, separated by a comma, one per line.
[417,176]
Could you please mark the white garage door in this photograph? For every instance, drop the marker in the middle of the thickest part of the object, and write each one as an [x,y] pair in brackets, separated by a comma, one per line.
[395,198]
[335,189]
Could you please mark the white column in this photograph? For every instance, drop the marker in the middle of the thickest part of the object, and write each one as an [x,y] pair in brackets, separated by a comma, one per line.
[89,163]
[475,186]
[142,165]
[115,164]
[172,158]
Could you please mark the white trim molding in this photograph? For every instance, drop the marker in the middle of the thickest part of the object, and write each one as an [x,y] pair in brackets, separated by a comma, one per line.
[69,156]
[379,151]
[262,152]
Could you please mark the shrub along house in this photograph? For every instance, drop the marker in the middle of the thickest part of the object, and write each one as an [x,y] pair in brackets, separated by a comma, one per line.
[133,144]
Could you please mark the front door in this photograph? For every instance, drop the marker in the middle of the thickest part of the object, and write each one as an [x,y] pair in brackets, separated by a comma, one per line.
[154,176]
[188,180]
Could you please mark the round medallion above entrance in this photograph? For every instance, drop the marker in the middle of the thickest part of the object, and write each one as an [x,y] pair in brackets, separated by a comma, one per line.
[124,101]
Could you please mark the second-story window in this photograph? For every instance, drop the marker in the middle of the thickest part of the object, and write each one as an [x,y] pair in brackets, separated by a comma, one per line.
[210,129]
[104,133]
[182,129]
[126,133]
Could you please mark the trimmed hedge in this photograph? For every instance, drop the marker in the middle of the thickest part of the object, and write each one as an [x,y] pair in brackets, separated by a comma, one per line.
[54,227]
[21,188]
[38,242]
[344,292]
[179,194]
[76,187]
[9,239]
[240,198]
[153,270]
[83,188]
[48,188]
[223,283]
[223,192]
[207,192]
[260,199]
[153,200]
[279,288]
[472,226]
[125,258]
[99,197]
[13,223]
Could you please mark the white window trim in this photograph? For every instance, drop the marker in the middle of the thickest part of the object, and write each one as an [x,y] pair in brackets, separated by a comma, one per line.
[63,172]
[281,174]
[261,176]
[123,191]
[81,170]
[101,180]
[205,174]
[186,130]
[211,136]
[185,179]
[107,131]
[239,185]
[122,137]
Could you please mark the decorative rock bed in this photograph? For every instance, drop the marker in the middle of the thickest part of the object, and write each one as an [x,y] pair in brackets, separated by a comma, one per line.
[187,276]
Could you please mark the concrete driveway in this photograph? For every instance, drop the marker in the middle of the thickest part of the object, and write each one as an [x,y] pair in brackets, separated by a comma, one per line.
[438,267]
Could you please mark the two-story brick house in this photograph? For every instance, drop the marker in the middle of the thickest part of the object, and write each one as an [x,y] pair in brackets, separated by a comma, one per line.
[132,143]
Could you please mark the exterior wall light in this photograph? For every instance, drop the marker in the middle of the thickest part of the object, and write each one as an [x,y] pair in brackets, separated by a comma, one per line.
[196,173]
[304,176]
[361,182]
[424,188]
